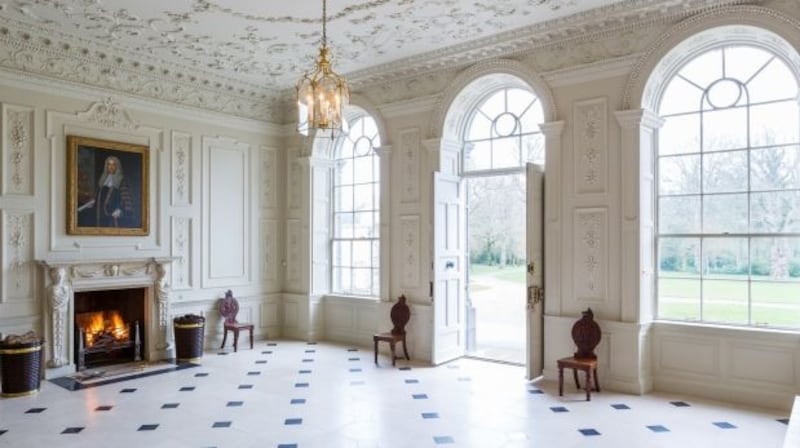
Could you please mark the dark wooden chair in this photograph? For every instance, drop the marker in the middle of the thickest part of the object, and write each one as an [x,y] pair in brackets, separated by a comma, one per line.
[400,314]
[586,334]
[228,309]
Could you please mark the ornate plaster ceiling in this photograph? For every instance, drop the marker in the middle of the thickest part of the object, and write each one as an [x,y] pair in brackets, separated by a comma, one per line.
[257,49]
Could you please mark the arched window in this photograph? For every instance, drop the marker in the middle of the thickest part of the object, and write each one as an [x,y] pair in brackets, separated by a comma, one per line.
[728,191]
[356,206]
[503,132]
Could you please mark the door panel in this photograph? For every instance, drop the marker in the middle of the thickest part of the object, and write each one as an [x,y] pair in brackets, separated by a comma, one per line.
[535,253]
[448,269]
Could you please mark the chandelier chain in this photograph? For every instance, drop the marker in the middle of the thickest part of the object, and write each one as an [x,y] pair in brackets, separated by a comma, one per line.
[324,20]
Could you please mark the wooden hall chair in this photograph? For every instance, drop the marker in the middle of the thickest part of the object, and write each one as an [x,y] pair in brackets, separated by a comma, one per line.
[586,334]
[228,309]
[400,314]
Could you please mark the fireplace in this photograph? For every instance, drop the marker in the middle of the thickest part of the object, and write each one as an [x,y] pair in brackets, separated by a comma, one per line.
[84,299]
[108,326]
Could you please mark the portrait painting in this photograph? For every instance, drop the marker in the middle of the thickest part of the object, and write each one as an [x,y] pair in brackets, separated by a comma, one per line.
[107,187]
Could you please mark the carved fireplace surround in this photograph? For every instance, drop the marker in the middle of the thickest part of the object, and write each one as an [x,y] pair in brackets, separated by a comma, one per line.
[63,278]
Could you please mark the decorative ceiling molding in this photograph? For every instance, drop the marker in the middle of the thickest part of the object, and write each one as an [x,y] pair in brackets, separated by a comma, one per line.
[587,26]
[184,52]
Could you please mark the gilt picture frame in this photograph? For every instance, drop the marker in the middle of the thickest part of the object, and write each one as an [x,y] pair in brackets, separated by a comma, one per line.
[107,187]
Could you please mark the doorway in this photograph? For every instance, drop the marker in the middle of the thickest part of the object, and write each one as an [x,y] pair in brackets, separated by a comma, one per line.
[497,258]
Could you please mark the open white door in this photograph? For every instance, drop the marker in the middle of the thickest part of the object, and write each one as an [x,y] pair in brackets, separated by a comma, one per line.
[449,266]
[535,250]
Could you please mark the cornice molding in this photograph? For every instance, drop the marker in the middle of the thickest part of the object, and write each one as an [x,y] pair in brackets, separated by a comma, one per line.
[48,85]
[29,48]
[621,66]
[409,107]
[587,26]
[68,58]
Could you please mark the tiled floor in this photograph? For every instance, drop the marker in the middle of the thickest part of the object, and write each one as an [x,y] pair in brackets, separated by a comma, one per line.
[293,394]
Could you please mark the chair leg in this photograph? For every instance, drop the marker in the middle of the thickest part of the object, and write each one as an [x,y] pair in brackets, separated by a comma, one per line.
[588,385]
[251,339]
[224,338]
[405,349]
[394,357]
[560,381]
[575,376]
[375,342]
[596,383]
[235,340]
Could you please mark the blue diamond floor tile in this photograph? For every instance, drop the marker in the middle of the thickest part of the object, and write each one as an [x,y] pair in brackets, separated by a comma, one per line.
[589,432]
[724,425]
[658,428]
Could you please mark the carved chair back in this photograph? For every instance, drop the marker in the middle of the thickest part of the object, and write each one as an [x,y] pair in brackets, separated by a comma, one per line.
[229,308]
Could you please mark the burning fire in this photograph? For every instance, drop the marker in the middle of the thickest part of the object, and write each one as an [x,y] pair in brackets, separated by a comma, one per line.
[103,325]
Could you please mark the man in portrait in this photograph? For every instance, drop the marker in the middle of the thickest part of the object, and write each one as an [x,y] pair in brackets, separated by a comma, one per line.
[112,204]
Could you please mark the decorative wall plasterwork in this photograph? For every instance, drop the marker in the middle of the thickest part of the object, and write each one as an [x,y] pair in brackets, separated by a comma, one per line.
[17,150]
[181,169]
[269,176]
[109,114]
[190,57]
[409,232]
[18,238]
[293,252]
[269,259]
[181,251]
[590,143]
[590,257]
[409,151]
[293,185]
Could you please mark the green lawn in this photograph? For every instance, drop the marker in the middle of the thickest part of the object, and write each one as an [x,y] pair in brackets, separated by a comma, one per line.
[725,300]
[774,303]
[515,273]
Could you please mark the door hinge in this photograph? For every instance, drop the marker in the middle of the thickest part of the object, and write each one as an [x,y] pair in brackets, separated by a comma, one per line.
[535,295]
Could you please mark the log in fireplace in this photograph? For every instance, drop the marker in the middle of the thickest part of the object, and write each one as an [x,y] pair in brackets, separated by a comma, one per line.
[108,327]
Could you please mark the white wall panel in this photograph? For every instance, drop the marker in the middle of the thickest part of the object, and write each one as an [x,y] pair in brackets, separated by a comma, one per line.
[227,238]
[762,363]
[689,355]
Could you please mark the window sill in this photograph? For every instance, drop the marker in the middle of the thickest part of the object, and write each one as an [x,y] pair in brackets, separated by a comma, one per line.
[345,297]
[732,330]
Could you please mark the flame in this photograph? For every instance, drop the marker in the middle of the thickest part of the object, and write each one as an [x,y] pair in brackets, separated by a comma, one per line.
[102,323]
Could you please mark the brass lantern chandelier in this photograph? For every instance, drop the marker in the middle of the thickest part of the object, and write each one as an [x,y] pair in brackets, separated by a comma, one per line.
[322,94]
